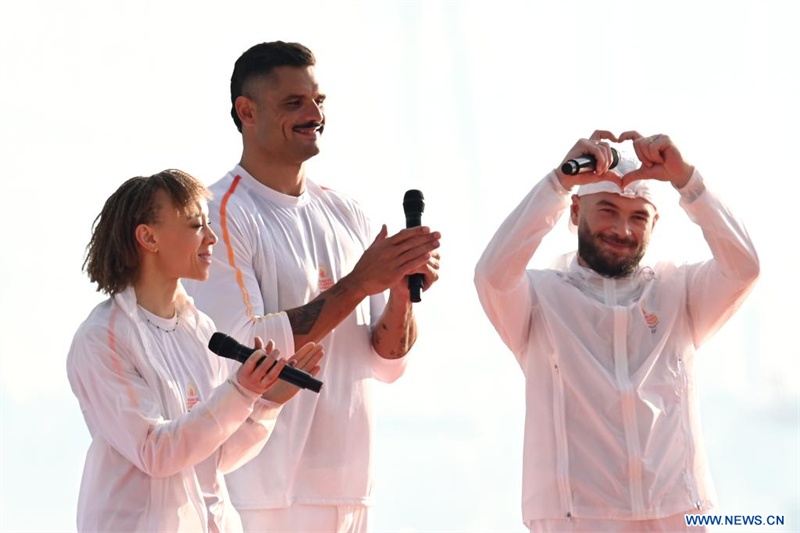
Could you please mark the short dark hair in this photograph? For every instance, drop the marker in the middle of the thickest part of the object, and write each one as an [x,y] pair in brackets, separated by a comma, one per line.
[112,259]
[259,61]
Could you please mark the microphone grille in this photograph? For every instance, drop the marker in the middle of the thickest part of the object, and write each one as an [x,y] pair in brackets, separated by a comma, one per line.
[413,201]
[614,158]
[217,342]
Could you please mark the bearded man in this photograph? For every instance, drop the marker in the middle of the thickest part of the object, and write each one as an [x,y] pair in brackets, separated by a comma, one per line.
[607,344]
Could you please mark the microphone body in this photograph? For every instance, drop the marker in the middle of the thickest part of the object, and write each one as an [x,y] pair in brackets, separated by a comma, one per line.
[230,348]
[414,206]
[586,163]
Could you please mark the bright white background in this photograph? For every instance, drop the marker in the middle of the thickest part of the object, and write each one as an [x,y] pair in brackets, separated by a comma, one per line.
[470,102]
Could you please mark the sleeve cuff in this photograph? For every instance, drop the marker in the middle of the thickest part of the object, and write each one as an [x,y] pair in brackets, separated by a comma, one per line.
[693,189]
[265,410]
[555,183]
[244,391]
[276,326]
[388,370]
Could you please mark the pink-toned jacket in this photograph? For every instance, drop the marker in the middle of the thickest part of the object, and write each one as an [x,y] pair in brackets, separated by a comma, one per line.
[612,428]
[139,472]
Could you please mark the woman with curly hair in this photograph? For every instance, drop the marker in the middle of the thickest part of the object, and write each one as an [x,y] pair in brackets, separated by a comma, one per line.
[167,420]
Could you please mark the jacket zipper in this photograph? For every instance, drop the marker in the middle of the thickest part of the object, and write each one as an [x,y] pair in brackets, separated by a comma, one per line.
[562,461]
[620,347]
[686,429]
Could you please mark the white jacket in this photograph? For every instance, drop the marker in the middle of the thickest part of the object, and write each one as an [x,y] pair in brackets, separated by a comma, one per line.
[139,473]
[612,428]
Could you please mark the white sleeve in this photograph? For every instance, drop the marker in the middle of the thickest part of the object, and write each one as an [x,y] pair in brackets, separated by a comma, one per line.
[120,405]
[252,435]
[501,273]
[718,287]
[232,295]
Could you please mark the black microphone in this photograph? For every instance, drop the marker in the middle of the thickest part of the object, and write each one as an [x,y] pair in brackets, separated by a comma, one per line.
[414,206]
[586,163]
[229,347]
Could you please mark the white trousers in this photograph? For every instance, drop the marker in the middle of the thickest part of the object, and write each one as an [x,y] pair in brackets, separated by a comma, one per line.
[306,519]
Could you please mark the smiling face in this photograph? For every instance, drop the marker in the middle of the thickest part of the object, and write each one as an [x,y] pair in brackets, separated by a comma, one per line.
[283,114]
[613,232]
[183,239]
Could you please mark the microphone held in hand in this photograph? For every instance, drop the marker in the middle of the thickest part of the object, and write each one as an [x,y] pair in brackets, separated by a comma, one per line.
[586,163]
[414,206]
[229,347]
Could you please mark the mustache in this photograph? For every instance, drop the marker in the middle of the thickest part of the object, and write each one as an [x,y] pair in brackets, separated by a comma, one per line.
[622,242]
[311,125]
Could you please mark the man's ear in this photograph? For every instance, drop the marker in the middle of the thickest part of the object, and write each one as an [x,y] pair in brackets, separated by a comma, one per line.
[575,209]
[246,109]
[146,238]
[655,219]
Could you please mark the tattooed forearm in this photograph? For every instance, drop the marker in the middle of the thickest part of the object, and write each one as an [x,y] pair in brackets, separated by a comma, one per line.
[302,319]
[313,321]
[396,332]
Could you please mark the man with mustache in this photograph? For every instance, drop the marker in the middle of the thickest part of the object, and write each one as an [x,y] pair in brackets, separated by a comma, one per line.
[299,257]
[607,346]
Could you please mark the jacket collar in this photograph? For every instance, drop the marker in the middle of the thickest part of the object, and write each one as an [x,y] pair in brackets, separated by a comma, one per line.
[576,269]
[126,300]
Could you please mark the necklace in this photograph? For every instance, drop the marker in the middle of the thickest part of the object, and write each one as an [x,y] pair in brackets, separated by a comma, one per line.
[177,321]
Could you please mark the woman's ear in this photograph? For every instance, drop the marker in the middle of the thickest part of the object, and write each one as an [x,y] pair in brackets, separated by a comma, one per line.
[146,238]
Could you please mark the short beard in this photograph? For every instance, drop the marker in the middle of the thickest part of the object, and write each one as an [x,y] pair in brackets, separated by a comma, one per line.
[603,263]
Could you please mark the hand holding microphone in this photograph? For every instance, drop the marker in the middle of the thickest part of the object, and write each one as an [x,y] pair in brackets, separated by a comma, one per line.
[254,376]
[589,161]
[230,348]
[390,260]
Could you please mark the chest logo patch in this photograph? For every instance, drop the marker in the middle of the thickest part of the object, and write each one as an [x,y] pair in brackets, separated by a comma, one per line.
[192,396]
[325,281]
[650,318]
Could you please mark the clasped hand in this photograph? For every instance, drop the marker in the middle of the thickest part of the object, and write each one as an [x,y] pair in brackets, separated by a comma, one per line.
[389,260]
[660,159]
[260,372]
